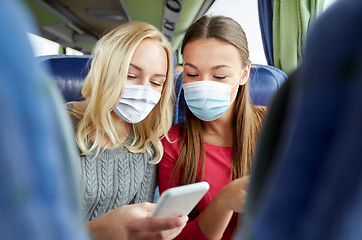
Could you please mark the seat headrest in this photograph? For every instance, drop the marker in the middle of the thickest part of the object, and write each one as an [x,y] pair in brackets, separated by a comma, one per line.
[68,72]
[265,81]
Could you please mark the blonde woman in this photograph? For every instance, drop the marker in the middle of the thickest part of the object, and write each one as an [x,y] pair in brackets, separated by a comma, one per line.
[128,107]
[217,141]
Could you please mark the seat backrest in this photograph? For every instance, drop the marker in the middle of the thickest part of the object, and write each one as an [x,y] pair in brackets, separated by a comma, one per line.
[38,197]
[68,72]
[265,81]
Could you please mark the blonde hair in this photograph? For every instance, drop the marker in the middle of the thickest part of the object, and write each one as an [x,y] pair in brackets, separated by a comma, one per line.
[104,86]
[247,117]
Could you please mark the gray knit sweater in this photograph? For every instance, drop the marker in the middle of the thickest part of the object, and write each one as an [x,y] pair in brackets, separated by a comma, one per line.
[115,178]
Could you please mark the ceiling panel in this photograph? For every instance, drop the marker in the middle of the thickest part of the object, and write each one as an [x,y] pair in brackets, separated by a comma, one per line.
[83,10]
[80,23]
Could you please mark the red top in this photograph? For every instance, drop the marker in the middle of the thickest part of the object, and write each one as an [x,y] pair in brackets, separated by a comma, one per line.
[217,174]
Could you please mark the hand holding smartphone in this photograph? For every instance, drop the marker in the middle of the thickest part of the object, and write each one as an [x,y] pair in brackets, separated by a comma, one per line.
[179,200]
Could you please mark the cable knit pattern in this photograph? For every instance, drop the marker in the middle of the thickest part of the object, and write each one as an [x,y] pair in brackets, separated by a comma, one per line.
[114,178]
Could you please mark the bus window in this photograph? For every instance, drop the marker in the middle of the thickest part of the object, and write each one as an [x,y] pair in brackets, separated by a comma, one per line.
[42,46]
[328,3]
[246,14]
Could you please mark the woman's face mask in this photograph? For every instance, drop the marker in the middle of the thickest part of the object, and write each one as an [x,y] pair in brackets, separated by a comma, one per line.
[208,100]
[136,102]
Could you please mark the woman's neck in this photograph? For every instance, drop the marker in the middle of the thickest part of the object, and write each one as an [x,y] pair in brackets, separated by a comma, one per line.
[220,131]
[122,127]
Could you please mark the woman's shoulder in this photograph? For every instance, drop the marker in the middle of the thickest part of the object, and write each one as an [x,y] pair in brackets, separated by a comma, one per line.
[174,131]
[76,110]
[72,113]
[173,134]
[171,149]
[171,145]
[260,111]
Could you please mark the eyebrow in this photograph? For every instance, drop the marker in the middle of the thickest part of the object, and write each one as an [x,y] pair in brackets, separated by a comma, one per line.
[213,68]
[140,69]
[220,66]
[135,66]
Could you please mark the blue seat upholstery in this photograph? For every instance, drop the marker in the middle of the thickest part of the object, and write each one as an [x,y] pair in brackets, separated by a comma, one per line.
[38,197]
[265,81]
[69,73]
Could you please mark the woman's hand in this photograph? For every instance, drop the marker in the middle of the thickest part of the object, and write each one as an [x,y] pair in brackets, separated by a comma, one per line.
[132,222]
[230,199]
[233,195]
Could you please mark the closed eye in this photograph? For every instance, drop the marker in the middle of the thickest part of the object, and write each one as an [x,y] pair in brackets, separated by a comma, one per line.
[192,75]
[130,76]
[156,84]
[219,77]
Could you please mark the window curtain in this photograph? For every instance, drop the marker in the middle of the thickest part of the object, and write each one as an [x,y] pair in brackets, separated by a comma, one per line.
[265,8]
[291,21]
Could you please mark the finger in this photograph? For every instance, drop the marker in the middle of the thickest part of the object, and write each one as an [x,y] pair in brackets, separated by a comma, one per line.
[240,209]
[172,233]
[244,182]
[159,224]
[147,235]
[164,235]
[148,207]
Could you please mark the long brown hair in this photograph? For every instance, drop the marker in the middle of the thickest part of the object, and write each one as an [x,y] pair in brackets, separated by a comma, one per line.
[247,117]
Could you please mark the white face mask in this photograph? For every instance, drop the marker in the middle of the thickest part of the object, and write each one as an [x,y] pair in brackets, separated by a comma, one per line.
[136,102]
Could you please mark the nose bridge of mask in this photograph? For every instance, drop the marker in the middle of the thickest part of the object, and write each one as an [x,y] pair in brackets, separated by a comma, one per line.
[210,91]
[206,95]
[206,84]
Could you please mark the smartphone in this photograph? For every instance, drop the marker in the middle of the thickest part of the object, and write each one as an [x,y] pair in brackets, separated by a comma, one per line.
[179,200]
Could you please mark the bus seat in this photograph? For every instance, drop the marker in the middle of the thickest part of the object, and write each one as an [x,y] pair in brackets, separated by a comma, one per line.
[68,72]
[38,197]
[265,81]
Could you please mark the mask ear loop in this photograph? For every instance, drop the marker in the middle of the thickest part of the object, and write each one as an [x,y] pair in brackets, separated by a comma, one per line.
[234,86]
